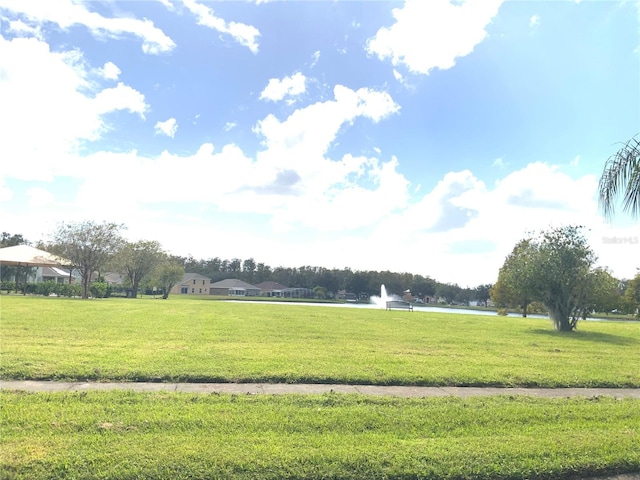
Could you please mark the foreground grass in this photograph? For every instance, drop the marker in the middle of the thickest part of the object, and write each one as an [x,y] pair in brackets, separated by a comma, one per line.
[190,340]
[167,435]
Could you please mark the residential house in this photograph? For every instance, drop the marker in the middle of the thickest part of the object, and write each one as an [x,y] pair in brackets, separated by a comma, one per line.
[235,288]
[346,296]
[271,289]
[192,284]
[298,292]
[57,274]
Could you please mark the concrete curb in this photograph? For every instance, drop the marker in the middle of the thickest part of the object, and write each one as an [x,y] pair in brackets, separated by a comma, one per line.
[302,389]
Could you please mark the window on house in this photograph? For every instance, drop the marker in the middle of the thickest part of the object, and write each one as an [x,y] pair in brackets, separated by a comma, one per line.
[200,291]
[194,281]
[193,290]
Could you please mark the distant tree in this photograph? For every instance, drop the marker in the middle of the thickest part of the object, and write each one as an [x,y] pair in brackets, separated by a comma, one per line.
[166,275]
[263,273]
[422,286]
[137,260]
[605,294]
[8,272]
[11,240]
[88,245]
[320,292]
[329,279]
[447,291]
[235,265]
[632,295]
[482,294]
[249,269]
[515,285]
[621,175]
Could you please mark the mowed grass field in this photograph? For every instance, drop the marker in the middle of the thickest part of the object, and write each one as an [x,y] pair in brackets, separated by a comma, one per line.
[191,340]
[126,435]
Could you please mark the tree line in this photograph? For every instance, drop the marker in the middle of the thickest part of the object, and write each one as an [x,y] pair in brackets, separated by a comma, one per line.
[100,247]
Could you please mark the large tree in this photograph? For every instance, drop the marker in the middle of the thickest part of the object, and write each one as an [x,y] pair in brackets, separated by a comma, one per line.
[554,268]
[563,276]
[137,260]
[167,274]
[89,246]
[621,176]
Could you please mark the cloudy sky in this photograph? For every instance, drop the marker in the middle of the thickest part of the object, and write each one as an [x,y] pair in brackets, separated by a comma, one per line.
[419,136]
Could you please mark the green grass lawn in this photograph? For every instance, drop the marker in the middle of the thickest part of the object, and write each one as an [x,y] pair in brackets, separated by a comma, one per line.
[165,435]
[125,435]
[198,340]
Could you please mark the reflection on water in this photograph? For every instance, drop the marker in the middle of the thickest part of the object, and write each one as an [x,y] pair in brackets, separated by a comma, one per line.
[376,306]
[419,307]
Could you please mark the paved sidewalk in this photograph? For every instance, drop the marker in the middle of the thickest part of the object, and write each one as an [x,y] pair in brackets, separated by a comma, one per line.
[282,388]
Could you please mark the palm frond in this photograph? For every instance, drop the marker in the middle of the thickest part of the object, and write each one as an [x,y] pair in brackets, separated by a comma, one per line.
[621,175]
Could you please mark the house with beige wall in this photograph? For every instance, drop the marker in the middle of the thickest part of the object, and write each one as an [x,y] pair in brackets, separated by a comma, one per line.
[192,284]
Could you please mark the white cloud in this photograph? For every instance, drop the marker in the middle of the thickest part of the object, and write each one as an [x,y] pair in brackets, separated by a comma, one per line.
[39,197]
[6,193]
[278,89]
[314,127]
[245,35]
[315,192]
[109,71]
[121,97]
[575,161]
[20,28]
[315,58]
[67,13]
[168,127]
[229,126]
[167,4]
[432,34]
[49,108]
[534,21]
[499,162]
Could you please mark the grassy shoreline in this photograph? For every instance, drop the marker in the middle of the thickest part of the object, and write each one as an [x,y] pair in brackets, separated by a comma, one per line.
[202,341]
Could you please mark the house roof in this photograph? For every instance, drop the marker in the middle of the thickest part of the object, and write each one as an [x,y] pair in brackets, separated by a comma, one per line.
[189,277]
[271,286]
[54,272]
[25,255]
[234,283]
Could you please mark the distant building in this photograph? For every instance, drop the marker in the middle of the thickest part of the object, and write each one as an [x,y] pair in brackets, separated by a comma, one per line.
[192,284]
[271,289]
[57,274]
[298,292]
[235,288]
[347,296]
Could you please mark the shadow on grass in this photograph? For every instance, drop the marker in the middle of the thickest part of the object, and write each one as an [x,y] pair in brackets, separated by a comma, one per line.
[589,336]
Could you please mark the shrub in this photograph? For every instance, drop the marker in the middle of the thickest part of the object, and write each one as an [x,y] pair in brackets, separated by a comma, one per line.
[8,286]
[47,288]
[70,290]
[99,289]
[502,311]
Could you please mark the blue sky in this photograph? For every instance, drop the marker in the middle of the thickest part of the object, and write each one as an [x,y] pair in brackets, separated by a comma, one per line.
[417,136]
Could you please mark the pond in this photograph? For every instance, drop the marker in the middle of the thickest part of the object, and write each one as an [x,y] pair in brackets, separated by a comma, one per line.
[422,308]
